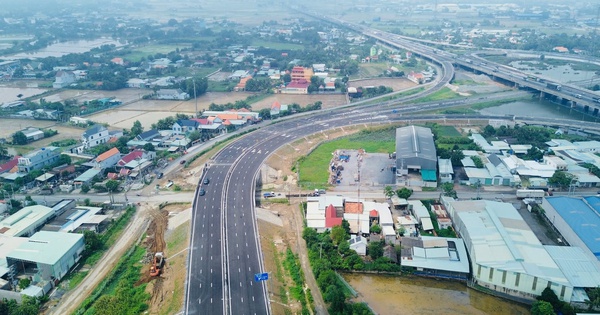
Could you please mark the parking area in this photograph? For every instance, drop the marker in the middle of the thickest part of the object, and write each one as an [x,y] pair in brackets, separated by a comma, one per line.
[375,170]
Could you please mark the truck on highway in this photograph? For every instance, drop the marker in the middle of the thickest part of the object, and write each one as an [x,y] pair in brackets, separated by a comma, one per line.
[530,193]
[553,86]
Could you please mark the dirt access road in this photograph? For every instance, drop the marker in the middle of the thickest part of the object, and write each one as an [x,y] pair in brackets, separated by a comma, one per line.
[73,299]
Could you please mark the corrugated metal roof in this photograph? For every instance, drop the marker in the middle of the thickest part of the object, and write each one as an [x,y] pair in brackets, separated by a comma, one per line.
[46,247]
[415,144]
[501,239]
[576,266]
[581,214]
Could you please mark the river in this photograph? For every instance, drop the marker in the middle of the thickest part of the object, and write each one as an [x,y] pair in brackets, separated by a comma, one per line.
[533,108]
[423,296]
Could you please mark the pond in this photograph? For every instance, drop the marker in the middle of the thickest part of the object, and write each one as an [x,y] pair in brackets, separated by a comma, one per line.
[419,295]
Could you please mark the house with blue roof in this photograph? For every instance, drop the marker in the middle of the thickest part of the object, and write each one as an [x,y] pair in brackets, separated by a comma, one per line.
[184,126]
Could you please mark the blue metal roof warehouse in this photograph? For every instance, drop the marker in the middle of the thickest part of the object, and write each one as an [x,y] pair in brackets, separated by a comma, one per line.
[577,219]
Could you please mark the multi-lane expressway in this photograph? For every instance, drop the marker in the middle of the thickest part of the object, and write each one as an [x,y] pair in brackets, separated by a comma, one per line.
[225,251]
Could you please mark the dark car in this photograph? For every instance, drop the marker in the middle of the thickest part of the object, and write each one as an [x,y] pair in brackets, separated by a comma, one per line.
[206,181]
[160,175]
[182,162]
[202,192]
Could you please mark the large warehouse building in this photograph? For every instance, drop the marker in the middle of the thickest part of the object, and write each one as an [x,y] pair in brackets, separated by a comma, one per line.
[578,221]
[415,151]
[47,256]
[506,256]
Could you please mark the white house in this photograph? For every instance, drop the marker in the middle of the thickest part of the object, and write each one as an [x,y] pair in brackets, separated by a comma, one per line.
[107,159]
[63,79]
[95,135]
[358,244]
[171,94]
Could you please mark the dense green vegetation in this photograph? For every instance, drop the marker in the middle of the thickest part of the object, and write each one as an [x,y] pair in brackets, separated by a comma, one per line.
[330,251]
[28,306]
[443,94]
[292,265]
[119,293]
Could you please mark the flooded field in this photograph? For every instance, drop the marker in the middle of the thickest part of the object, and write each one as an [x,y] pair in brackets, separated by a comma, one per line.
[9,93]
[424,296]
[61,49]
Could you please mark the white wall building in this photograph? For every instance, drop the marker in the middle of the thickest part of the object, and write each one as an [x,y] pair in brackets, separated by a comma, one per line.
[506,256]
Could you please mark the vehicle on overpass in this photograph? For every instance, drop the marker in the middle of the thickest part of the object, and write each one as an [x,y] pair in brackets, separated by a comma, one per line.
[553,86]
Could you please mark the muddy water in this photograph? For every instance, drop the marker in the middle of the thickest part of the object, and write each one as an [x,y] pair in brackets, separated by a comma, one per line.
[390,295]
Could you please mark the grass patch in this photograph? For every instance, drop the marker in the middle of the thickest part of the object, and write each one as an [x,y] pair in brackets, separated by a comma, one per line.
[313,168]
[448,131]
[278,200]
[466,82]
[276,45]
[443,94]
[177,239]
[144,52]
[220,86]
[395,96]
[118,291]
[75,278]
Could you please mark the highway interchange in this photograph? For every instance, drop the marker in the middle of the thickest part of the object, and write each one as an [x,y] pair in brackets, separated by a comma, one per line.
[225,251]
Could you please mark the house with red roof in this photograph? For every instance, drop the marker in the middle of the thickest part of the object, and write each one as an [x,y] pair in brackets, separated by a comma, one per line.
[136,155]
[107,159]
[117,61]
[296,87]
[10,166]
[416,77]
[275,108]
[331,218]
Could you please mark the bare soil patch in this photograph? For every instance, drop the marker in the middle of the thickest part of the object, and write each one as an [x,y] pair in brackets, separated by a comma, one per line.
[328,100]
[167,289]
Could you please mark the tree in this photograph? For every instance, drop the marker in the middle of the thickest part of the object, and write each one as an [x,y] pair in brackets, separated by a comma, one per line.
[137,128]
[338,234]
[549,296]
[19,138]
[287,78]
[561,179]
[149,147]
[3,151]
[388,191]
[375,250]
[194,135]
[336,298]
[24,283]
[448,189]
[376,229]
[404,193]
[112,185]
[310,235]
[594,295]
[92,242]
[477,161]
[542,308]
[85,188]
[346,226]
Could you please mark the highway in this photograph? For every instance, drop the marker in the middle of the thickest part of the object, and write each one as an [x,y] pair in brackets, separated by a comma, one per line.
[225,251]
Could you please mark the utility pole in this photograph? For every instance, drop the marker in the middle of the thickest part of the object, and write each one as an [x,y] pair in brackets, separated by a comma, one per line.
[195,98]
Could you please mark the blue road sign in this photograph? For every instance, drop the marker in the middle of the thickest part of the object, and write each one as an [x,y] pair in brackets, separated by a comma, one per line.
[261,277]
